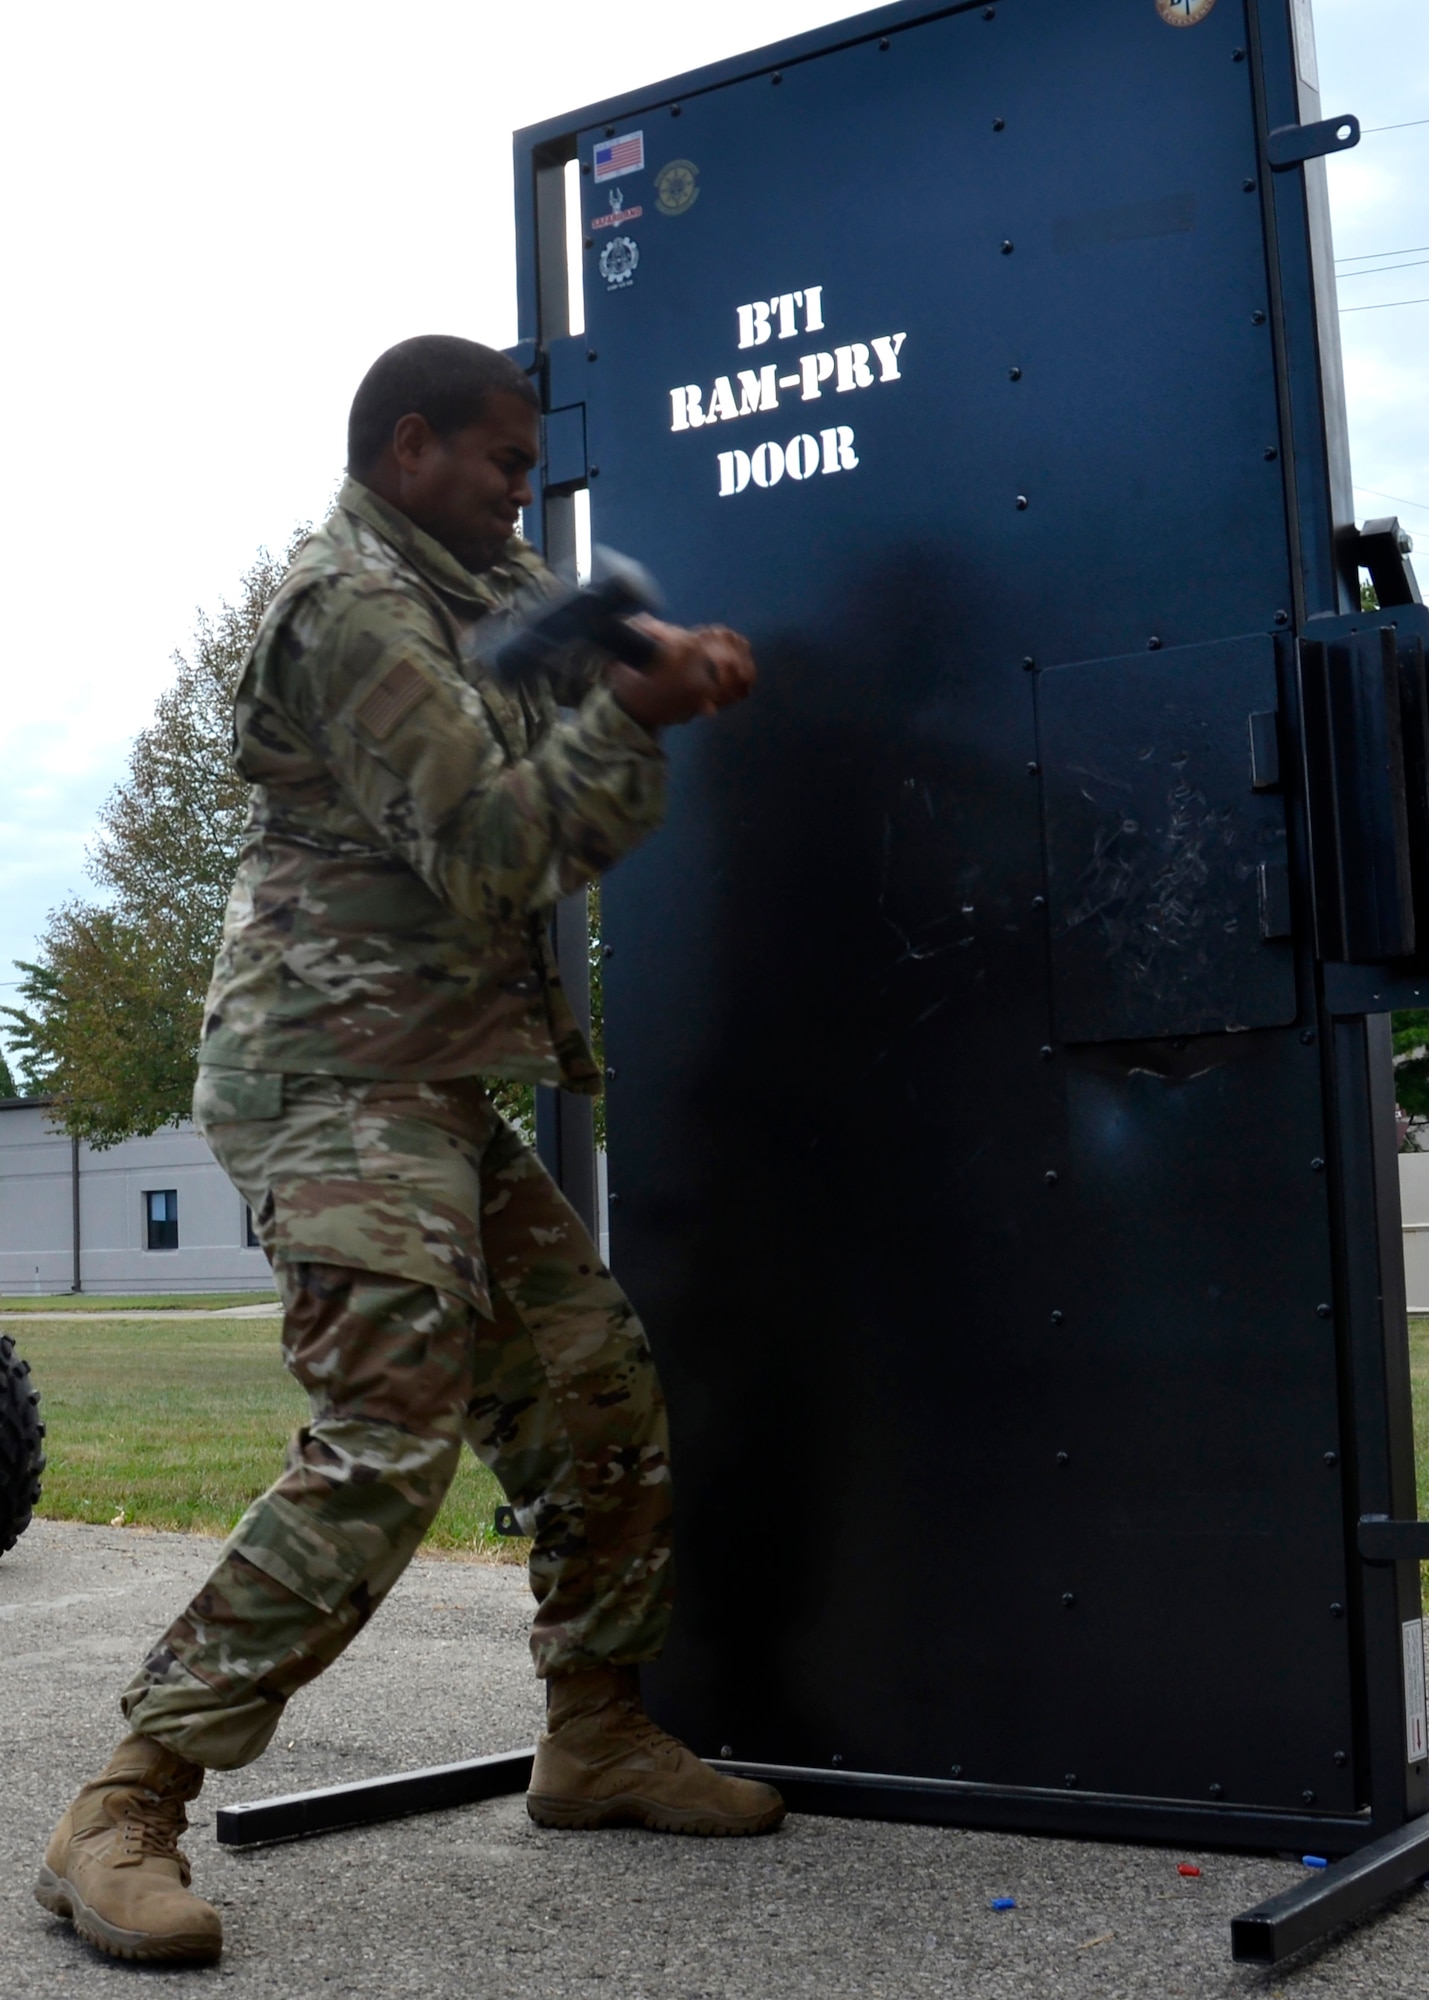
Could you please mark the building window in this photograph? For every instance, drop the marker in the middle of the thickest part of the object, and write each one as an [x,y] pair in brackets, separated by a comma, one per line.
[250,1234]
[161,1219]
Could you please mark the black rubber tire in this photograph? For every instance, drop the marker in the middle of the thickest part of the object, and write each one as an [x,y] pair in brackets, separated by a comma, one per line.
[22,1458]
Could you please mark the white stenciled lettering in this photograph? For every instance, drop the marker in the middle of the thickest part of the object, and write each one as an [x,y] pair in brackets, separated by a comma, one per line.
[754,326]
[685,411]
[733,472]
[854,371]
[801,457]
[786,302]
[722,403]
[831,451]
[814,369]
[886,347]
[766,464]
[756,320]
[757,390]
[839,454]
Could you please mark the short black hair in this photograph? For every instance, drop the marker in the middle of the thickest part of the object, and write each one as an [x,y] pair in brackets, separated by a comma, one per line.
[439,376]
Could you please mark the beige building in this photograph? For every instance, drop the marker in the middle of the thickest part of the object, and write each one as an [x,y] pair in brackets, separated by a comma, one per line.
[149,1215]
[1414,1202]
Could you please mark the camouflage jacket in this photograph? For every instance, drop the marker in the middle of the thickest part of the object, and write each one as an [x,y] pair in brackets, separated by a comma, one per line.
[413,822]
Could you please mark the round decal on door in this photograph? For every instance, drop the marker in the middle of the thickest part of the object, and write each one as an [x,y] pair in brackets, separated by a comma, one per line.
[1184,13]
[677,187]
[618,261]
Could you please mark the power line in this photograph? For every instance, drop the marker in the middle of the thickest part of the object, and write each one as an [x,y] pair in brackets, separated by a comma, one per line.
[1398,497]
[1367,256]
[1414,264]
[1403,126]
[1389,304]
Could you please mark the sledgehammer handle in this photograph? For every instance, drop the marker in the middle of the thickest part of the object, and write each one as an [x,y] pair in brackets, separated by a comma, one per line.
[599,615]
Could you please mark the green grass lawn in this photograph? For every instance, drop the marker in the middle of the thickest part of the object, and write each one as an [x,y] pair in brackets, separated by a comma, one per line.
[94,1302]
[178,1425]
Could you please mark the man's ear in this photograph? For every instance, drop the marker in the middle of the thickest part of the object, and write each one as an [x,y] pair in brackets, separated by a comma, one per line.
[412,438]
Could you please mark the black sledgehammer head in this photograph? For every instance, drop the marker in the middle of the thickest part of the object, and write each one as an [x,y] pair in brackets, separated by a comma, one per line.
[598,615]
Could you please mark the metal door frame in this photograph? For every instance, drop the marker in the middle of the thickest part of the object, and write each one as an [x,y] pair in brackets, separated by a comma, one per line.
[1350,1024]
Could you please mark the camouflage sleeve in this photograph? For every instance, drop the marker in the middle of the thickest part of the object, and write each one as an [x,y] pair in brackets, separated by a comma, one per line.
[415,747]
[580,671]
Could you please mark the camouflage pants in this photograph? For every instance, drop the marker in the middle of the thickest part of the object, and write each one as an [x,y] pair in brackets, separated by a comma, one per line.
[436,1287]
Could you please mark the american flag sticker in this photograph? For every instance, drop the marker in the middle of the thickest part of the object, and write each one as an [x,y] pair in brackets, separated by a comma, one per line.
[625,155]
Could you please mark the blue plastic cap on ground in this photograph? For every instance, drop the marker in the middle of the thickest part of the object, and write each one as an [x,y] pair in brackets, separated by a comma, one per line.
[1314,1860]
[1004,1902]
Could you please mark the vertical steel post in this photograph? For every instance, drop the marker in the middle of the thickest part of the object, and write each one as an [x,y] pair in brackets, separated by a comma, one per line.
[1359,1082]
[565,1124]
[553,319]
[77,1271]
[1380,1435]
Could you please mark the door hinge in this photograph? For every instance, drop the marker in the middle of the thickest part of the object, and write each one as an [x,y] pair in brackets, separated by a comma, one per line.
[1384,1540]
[1292,145]
[1382,547]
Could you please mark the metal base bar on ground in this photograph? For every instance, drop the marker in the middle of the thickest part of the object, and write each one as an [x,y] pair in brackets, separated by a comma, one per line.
[1287,1923]
[363,1803]
[845,1794]
[1077,1815]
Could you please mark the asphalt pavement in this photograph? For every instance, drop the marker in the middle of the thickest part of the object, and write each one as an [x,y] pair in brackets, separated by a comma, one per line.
[479,1903]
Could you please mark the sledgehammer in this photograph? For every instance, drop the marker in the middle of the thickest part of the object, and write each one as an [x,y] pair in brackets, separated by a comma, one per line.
[597,615]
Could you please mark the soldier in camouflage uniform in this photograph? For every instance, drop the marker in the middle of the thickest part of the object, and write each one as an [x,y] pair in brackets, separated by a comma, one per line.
[384,953]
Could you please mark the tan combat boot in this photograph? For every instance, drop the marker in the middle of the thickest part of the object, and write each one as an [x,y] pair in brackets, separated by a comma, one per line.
[113,1865]
[603,1762]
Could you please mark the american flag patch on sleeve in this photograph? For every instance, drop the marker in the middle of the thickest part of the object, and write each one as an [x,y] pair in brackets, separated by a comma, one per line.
[625,155]
[395,695]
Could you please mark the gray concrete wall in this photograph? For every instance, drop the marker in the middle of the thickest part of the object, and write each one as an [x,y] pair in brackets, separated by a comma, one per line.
[36,1226]
[1414,1201]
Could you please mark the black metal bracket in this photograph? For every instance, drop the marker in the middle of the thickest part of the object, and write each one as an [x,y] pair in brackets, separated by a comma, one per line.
[563,449]
[1384,1540]
[1382,547]
[1292,145]
[558,366]
[1353,710]
[526,354]
[1372,989]
[297,1815]
[1288,1922]
[1365,720]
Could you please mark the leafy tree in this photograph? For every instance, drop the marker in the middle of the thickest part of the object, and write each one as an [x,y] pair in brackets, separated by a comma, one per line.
[8,1085]
[111,1026]
[1411,1063]
[111,1005]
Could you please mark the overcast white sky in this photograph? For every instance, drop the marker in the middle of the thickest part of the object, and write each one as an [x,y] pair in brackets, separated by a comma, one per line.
[218,215]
